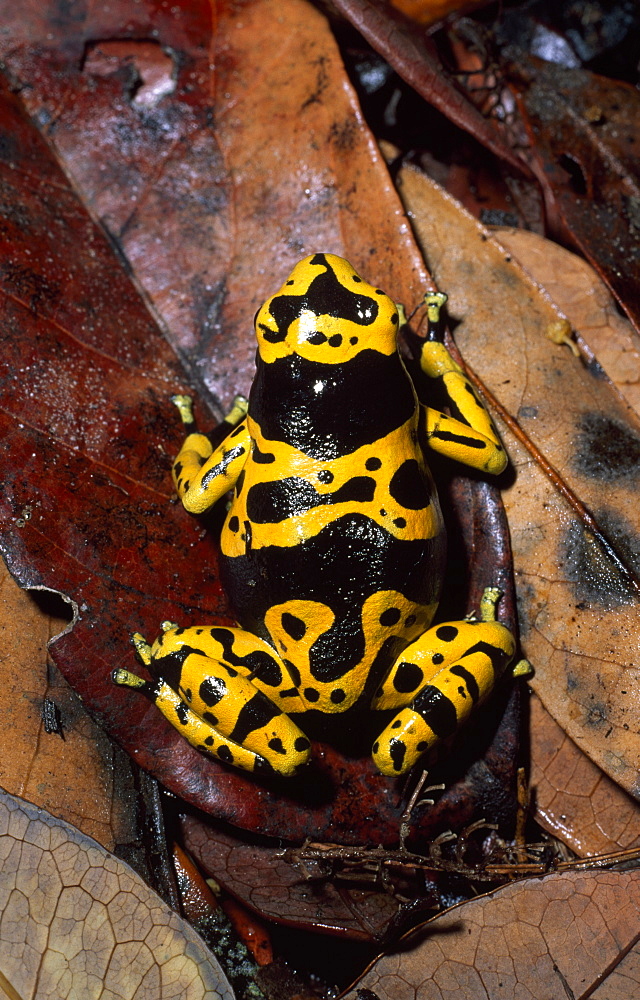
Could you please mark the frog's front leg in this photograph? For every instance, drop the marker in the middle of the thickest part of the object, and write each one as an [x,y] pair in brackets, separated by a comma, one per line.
[468,434]
[203,474]
[223,689]
[440,678]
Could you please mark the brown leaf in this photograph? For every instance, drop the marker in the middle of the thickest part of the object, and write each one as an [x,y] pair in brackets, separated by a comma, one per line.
[569,935]
[257,157]
[585,136]
[70,774]
[78,922]
[578,602]
[274,887]
[88,424]
[572,798]
[413,55]
[583,298]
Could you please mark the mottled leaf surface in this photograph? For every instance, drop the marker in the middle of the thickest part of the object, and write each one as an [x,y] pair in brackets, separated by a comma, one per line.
[575,565]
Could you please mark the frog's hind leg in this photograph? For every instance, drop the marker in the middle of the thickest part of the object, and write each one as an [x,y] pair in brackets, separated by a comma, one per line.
[437,682]
[218,687]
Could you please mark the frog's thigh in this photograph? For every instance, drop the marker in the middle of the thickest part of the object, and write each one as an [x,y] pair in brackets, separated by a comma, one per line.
[440,678]
[222,703]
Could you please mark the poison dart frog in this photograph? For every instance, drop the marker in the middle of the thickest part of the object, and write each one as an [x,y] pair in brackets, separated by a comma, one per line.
[333,547]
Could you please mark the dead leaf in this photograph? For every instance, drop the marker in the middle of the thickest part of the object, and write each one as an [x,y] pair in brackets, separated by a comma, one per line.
[415,58]
[78,922]
[70,773]
[429,12]
[578,602]
[257,157]
[272,886]
[584,136]
[569,935]
[89,426]
[582,296]
[572,798]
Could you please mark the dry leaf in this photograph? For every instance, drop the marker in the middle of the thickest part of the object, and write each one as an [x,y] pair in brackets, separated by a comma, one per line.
[583,297]
[578,604]
[79,923]
[572,798]
[571,935]
[70,773]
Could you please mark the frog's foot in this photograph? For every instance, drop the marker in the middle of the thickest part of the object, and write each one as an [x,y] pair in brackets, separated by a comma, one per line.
[238,411]
[437,682]
[142,648]
[434,301]
[222,697]
[185,409]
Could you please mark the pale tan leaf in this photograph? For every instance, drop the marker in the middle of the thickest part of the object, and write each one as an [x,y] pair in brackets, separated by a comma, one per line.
[579,605]
[587,303]
[572,798]
[78,923]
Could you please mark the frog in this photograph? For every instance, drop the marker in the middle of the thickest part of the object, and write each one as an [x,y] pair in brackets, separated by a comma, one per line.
[333,547]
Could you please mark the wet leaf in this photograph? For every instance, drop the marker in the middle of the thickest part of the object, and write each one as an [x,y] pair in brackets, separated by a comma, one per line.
[415,58]
[78,922]
[273,886]
[215,189]
[569,935]
[88,425]
[574,526]
[584,134]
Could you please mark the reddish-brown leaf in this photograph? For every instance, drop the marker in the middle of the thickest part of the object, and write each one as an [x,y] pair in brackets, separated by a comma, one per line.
[273,886]
[585,137]
[209,226]
[415,58]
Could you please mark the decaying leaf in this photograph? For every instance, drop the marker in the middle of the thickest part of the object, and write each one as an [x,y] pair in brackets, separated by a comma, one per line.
[77,922]
[69,772]
[257,157]
[572,798]
[88,425]
[270,884]
[575,535]
[569,935]
[585,137]
[584,299]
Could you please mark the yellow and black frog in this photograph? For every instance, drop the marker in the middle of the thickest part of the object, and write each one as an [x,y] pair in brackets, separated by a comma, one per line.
[333,547]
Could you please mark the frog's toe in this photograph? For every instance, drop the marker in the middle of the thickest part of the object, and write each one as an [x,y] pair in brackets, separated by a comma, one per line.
[405,740]
[142,648]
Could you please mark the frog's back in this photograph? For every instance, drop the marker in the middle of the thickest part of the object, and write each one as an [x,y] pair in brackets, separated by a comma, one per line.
[333,547]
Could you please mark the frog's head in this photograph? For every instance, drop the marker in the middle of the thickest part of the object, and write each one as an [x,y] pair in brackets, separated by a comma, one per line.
[325,312]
